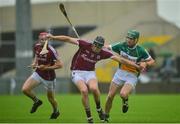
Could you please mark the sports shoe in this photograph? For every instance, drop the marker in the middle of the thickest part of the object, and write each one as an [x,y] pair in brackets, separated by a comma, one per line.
[90,120]
[35,106]
[101,114]
[125,106]
[106,118]
[54,115]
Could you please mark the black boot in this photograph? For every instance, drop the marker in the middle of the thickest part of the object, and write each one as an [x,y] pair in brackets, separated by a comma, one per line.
[35,106]
[125,105]
[101,114]
[106,118]
[54,115]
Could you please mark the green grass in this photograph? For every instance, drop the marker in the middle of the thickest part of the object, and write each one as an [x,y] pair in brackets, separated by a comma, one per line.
[143,108]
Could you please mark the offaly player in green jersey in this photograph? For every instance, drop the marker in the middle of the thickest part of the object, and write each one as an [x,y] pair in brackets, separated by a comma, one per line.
[127,76]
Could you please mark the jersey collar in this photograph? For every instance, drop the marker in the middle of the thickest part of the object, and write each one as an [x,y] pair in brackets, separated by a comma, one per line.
[132,47]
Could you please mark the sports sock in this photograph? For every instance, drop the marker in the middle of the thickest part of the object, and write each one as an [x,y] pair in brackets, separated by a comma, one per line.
[35,99]
[55,110]
[88,112]
[98,105]
[125,100]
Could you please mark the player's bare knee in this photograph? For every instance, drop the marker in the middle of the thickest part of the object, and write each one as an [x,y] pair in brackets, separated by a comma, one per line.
[93,89]
[25,90]
[84,92]
[123,94]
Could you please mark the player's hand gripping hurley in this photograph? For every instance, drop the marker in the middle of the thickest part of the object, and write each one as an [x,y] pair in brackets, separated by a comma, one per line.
[63,10]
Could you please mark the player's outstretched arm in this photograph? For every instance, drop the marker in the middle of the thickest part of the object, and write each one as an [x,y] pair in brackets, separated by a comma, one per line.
[63,38]
[125,61]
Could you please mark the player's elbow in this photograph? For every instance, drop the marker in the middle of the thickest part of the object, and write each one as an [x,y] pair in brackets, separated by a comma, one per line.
[152,62]
[60,65]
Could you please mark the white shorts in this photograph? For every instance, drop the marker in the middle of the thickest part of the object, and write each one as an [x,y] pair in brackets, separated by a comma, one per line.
[121,77]
[85,76]
[49,85]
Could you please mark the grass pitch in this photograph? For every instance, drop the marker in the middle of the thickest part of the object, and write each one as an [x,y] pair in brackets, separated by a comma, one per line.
[142,108]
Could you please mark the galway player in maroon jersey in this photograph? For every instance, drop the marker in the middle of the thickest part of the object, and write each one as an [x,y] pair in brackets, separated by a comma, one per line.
[83,68]
[44,74]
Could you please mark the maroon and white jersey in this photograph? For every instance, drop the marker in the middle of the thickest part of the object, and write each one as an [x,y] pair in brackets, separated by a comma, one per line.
[85,59]
[46,59]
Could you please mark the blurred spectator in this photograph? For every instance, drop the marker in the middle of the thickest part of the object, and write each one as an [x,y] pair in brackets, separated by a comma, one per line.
[168,68]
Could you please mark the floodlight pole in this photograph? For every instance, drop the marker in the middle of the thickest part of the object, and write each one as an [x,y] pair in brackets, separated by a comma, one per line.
[24,41]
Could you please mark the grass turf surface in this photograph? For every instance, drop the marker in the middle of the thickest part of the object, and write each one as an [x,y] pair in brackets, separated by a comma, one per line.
[142,108]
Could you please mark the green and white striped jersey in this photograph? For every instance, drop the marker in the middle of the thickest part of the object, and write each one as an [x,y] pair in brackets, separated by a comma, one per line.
[135,54]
